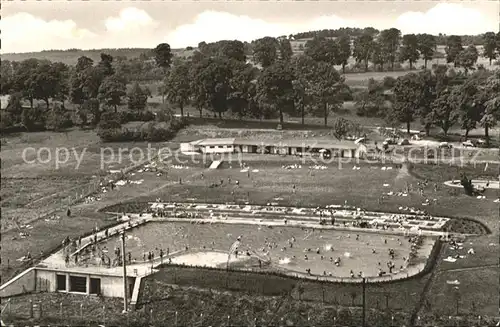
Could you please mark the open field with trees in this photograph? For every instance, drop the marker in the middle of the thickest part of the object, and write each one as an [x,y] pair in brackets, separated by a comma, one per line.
[334,85]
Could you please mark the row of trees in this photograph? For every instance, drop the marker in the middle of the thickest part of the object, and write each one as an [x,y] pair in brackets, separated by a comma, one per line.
[92,88]
[385,47]
[309,84]
[223,82]
[442,99]
[356,32]
[219,78]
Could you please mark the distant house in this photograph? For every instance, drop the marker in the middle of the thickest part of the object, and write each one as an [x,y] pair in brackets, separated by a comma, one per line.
[4,101]
[346,149]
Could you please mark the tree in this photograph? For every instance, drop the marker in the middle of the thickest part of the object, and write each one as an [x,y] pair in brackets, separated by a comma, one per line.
[6,77]
[427,88]
[453,48]
[33,118]
[390,40]
[363,49]
[111,91]
[24,79]
[163,55]
[426,46]
[50,81]
[177,86]
[322,50]
[106,65]
[490,45]
[341,128]
[198,94]
[409,50]
[370,102]
[444,109]
[213,84]
[14,108]
[489,98]
[498,43]
[379,55]
[137,98]
[326,87]
[265,51]
[344,51]
[407,97]
[275,89]
[58,118]
[470,110]
[467,58]
[303,71]
[233,50]
[285,48]
[6,121]
[241,81]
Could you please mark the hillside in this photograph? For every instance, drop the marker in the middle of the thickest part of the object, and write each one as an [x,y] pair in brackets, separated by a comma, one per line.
[71,56]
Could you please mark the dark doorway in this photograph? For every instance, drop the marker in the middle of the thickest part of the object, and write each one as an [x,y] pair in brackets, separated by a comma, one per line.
[95,286]
[78,284]
[61,282]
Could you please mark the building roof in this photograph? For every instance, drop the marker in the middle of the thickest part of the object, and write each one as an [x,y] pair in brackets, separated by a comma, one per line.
[218,141]
[299,143]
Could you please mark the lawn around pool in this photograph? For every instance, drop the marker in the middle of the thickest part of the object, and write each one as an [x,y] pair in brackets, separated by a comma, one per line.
[271,183]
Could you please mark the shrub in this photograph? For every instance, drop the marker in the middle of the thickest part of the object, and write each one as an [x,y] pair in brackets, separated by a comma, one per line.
[128,116]
[109,131]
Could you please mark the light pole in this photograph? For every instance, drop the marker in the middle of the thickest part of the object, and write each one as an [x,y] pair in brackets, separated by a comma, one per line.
[125,295]
[364,302]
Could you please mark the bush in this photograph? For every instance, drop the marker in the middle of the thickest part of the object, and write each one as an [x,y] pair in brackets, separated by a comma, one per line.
[6,121]
[150,133]
[128,116]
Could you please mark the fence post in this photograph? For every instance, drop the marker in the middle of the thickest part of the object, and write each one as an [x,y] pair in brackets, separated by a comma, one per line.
[31,309]
[61,309]
[81,310]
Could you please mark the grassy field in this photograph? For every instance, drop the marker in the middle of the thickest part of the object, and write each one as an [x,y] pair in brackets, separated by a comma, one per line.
[28,183]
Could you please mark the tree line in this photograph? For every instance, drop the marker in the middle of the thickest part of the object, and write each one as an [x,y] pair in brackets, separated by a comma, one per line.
[219,78]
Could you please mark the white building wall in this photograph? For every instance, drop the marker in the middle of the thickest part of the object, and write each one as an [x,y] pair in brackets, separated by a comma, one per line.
[218,149]
[25,282]
[111,286]
[46,280]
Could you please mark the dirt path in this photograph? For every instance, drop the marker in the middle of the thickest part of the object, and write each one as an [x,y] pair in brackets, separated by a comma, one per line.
[470,268]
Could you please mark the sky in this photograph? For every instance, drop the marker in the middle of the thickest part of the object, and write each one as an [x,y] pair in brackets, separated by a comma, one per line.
[31,25]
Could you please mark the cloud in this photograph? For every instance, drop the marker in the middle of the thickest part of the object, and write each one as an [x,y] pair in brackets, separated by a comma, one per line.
[446,18]
[129,19]
[132,27]
[23,32]
[211,26]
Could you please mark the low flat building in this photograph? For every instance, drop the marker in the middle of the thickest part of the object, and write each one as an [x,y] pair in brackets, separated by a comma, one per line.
[347,149]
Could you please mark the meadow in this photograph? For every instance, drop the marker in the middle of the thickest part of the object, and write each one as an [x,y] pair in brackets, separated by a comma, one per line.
[28,183]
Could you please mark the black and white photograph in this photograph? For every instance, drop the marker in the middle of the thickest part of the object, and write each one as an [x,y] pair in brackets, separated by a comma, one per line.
[250,163]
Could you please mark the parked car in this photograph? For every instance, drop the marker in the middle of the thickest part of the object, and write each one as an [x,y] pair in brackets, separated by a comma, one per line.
[468,144]
[445,145]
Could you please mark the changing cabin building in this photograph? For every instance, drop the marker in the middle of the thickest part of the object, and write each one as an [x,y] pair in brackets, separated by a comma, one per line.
[346,149]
